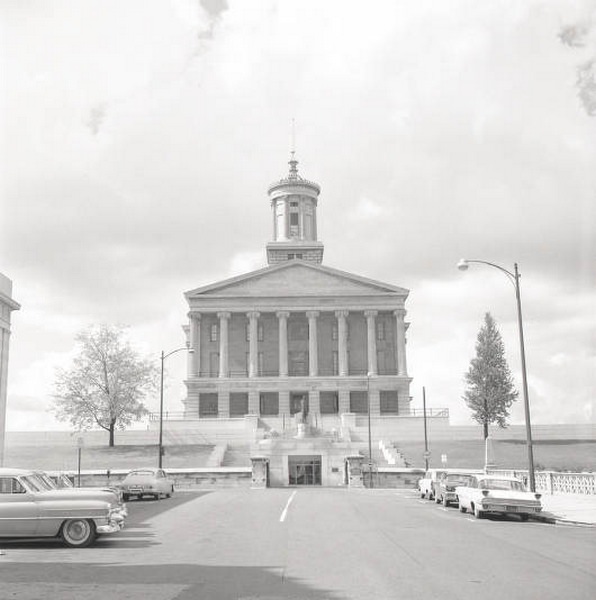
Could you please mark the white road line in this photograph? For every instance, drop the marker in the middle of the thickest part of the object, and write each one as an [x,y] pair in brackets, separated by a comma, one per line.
[285,510]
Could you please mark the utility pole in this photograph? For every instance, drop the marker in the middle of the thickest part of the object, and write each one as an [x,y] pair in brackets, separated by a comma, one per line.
[426,452]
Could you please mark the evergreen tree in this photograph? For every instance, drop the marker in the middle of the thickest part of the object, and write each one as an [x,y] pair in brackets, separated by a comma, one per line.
[490,390]
[107,383]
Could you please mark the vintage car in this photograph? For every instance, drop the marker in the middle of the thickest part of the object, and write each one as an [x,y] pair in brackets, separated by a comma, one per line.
[445,493]
[28,509]
[496,494]
[426,485]
[63,484]
[147,482]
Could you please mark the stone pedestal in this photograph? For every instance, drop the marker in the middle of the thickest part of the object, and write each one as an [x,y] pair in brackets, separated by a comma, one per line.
[354,470]
[260,472]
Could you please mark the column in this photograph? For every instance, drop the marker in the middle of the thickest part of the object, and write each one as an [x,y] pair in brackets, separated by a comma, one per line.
[223,343]
[400,342]
[283,343]
[253,344]
[313,354]
[314,406]
[194,342]
[371,340]
[342,341]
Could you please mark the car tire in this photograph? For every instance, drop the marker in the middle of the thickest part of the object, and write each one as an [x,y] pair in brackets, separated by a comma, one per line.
[524,517]
[438,499]
[445,502]
[125,497]
[78,533]
[170,493]
[478,513]
[422,494]
[462,509]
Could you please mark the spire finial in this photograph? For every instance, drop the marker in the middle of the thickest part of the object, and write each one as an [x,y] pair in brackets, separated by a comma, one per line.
[293,162]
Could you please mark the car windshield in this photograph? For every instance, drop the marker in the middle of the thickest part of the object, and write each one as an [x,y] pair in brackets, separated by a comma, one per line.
[502,484]
[457,479]
[141,473]
[64,482]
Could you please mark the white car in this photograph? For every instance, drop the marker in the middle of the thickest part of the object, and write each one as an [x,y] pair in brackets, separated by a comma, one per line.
[147,482]
[495,494]
[30,509]
[427,484]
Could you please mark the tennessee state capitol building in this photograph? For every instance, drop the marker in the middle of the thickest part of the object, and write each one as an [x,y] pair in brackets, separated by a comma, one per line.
[287,357]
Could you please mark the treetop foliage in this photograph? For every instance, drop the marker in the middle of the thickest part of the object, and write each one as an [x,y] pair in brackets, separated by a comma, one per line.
[490,391]
[106,384]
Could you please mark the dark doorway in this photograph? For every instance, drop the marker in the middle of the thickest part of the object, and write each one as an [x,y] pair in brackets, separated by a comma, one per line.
[304,470]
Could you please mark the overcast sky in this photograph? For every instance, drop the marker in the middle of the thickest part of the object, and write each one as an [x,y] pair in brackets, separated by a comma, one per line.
[139,138]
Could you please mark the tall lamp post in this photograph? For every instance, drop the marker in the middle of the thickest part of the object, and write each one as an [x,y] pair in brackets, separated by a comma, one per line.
[370,462]
[514,277]
[163,358]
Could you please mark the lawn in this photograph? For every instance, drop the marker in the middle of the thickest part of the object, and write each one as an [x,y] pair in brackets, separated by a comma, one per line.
[550,455]
[65,458]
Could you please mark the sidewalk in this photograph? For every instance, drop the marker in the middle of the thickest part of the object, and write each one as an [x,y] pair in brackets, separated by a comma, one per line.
[578,509]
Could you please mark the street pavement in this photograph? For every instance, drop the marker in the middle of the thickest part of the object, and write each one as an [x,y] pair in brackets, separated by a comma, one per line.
[320,544]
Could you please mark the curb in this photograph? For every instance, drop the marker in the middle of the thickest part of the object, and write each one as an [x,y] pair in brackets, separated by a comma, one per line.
[554,520]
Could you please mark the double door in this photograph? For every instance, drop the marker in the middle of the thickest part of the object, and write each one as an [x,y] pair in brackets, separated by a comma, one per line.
[304,470]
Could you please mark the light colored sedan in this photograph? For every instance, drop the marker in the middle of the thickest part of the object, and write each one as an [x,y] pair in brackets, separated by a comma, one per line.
[29,509]
[494,494]
[147,482]
[63,485]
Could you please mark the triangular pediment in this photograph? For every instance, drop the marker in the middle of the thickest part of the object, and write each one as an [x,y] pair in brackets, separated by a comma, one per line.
[296,278]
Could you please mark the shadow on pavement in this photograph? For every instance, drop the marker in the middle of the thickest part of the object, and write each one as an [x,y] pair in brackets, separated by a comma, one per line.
[195,581]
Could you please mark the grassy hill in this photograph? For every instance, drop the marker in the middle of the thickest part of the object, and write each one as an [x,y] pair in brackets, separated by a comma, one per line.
[555,455]
[65,458]
[551,455]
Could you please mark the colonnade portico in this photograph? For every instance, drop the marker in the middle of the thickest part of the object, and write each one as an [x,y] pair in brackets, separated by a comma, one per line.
[252,318]
[311,360]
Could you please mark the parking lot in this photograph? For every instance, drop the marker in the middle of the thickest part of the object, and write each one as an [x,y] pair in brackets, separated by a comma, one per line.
[306,543]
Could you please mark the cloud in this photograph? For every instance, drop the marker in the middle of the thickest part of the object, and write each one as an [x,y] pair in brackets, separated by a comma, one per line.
[140,139]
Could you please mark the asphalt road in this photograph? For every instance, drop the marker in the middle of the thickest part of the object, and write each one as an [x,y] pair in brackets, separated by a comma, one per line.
[307,543]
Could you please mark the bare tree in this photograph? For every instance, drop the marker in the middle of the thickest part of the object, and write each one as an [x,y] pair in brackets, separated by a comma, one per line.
[107,383]
[490,390]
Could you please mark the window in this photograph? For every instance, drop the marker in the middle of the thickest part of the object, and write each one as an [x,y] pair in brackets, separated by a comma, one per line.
[208,405]
[358,402]
[294,218]
[238,404]
[10,485]
[380,330]
[213,332]
[334,331]
[269,403]
[389,402]
[335,357]
[329,403]
[261,363]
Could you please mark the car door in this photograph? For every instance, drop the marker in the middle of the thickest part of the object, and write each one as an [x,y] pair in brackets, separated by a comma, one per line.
[19,513]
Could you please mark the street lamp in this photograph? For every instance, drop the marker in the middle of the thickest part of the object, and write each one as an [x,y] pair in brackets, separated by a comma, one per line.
[370,463]
[163,357]
[514,277]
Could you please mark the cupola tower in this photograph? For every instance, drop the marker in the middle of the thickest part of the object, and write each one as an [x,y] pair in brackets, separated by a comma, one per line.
[294,205]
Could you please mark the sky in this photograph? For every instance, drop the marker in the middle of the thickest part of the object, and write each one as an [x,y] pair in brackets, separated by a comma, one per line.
[139,138]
